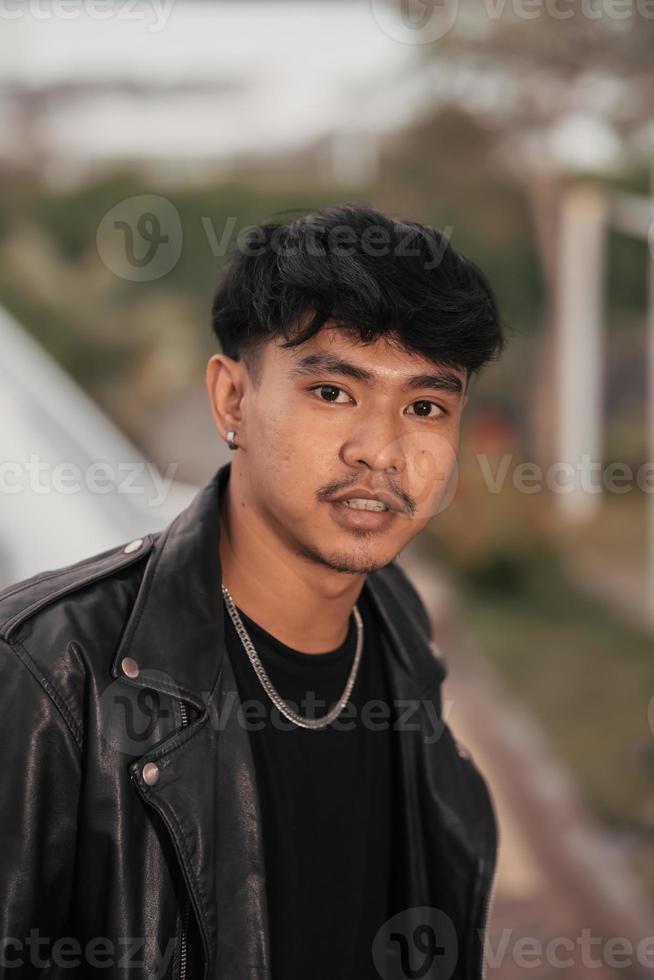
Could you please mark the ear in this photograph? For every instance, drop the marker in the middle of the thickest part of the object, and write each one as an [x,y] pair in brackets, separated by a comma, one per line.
[225,390]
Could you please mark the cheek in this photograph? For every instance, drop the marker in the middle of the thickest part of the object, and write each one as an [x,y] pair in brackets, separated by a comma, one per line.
[285,463]
[278,418]
[298,439]
[433,475]
[271,429]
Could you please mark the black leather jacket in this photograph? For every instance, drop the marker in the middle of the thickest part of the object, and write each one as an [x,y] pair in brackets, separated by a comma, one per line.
[129,818]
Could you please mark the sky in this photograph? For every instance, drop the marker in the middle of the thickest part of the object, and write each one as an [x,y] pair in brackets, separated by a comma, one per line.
[196,79]
[258,75]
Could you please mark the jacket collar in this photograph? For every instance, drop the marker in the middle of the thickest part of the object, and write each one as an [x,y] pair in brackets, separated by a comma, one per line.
[175,631]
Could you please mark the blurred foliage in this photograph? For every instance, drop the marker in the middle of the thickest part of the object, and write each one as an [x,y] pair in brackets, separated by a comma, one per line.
[585,673]
[626,281]
[492,528]
[71,220]
[444,173]
[131,344]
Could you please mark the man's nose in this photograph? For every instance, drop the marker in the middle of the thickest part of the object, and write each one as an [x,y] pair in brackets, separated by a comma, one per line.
[376,445]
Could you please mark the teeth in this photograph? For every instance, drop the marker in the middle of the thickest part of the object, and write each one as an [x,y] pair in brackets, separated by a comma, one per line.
[361,503]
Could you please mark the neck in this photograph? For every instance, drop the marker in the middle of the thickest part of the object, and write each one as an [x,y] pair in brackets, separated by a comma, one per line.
[303,604]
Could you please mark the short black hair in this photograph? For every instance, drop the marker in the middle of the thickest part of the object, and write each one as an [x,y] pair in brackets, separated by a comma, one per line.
[371,275]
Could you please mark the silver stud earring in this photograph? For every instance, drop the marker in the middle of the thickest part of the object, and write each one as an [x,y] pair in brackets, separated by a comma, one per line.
[230,439]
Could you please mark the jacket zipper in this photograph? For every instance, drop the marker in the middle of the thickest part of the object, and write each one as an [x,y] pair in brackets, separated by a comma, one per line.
[487,910]
[187,908]
[182,709]
[488,907]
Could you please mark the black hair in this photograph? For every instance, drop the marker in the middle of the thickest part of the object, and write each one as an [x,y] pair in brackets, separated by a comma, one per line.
[369,274]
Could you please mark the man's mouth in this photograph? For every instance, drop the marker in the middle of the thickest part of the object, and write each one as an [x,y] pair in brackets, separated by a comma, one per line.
[362,503]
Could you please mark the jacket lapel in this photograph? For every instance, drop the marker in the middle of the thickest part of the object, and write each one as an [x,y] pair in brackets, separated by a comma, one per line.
[175,631]
[206,792]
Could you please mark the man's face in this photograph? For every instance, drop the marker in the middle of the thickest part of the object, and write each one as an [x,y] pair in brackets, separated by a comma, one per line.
[314,431]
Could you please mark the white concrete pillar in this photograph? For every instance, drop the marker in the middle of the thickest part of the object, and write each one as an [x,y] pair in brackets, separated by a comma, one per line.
[580,350]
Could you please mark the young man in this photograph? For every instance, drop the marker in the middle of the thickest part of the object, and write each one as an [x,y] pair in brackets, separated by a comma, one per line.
[224,755]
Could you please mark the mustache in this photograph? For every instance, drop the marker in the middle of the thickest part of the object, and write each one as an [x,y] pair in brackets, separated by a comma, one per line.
[332,489]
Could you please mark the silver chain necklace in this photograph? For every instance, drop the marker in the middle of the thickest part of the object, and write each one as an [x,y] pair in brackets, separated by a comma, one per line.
[267,684]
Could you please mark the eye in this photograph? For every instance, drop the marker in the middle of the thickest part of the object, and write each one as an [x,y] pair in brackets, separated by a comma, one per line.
[428,404]
[332,395]
[329,389]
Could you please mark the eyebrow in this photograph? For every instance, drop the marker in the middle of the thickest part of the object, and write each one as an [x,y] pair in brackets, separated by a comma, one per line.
[442,380]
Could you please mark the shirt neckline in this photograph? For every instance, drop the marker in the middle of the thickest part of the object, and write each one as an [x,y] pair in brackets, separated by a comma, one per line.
[310,660]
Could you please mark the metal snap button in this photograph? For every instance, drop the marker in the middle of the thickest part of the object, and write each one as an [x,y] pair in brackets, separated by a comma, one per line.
[151,773]
[130,667]
[133,546]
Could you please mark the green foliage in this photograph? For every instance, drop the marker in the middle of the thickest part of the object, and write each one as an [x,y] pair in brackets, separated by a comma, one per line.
[503,571]
[211,219]
[626,283]
[71,219]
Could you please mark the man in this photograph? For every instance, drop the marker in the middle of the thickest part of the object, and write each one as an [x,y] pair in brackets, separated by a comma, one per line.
[224,755]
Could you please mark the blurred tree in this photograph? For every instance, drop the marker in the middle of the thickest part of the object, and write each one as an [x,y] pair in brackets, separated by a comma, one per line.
[559,89]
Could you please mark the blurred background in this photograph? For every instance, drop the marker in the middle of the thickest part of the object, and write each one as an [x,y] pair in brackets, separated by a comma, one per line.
[138,138]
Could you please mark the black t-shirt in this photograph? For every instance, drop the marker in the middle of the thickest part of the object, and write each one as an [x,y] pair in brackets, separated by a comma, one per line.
[326,800]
